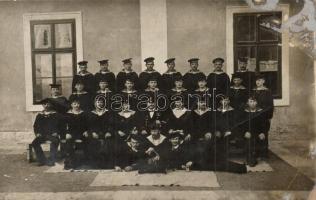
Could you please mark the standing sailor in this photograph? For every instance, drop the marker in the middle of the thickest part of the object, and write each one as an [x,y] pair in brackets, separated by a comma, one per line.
[86,77]
[83,96]
[126,73]
[149,73]
[190,79]
[248,77]
[169,76]
[105,74]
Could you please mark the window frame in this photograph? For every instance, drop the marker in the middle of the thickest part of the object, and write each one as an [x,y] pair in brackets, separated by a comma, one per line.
[284,8]
[30,19]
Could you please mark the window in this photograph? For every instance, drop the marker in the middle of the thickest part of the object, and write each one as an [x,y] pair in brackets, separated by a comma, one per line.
[256,39]
[53,56]
[52,46]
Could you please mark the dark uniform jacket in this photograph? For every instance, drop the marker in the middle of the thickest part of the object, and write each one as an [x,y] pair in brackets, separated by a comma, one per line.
[85,99]
[168,79]
[177,156]
[190,79]
[181,122]
[147,118]
[178,94]
[265,101]
[145,76]
[248,79]
[48,123]
[218,81]
[100,123]
[254,122]
[202,123]
[87,79]
[226,119]
[105,75]
[126,123]
[122,76]
[238,97]
[77,124]
[61,103]
[127,156]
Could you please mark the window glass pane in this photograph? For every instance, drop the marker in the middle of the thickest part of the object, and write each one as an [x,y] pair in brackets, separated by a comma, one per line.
[65,86]
[42,36]
[63,35]
[245,28]
[268,26]
[43,76]
[64,64]
[250,53]
[41,89]
[269,66]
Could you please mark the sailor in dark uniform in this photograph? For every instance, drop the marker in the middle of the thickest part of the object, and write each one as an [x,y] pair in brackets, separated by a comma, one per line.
[126,73]
[83,96]
[156,152]
[265,102]
[169,76]
[237,93]
[178,92]
[130,156]
[202,123]
[100,136]
[218,81]
[150,116]
[48,126]
[105,74]
[126,122]
[104,92]
[178,119]
[154,93]
[85,77]
[178,155]
[149,73]
[77,125]
[190,78]
[202,92]
[254,129]
[248,77]
[57,98]
[129,94]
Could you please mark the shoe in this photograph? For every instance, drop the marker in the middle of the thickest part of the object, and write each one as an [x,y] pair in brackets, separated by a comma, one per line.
[252,162]
[40,164]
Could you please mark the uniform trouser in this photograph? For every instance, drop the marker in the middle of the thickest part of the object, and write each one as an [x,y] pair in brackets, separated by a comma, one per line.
[107,154]
[71,159]
[212,156]
[36,144]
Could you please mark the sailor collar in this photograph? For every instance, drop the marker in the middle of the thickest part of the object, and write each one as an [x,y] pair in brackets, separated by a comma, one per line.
[181,89]
[48,113]
[194,72]
[171,72]
[129,92]
[55,97]
[127,72]
[263,88]
[205,90]
[238,88]
[156,142]
[151,71]
[127,114]
[104,91]
[79,93]
[83,74]
[225,110]
[104,72]
[202,112]
[179,112]
[218,72]
[242,71]
[99,113]
[250,111]
[71,112]
[152,90]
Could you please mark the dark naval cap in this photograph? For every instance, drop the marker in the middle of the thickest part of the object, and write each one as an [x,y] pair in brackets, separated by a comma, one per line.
[105,61]
[54,85]
[170,60]
[236,75]
[193,60]
[84,62]
[128,60]
[218,60]
[149,59]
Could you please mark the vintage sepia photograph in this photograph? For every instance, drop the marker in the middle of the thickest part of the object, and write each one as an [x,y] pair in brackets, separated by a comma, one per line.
[158,99]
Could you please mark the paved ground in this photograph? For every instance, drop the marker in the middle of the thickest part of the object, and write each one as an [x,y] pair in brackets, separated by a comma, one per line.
[292,178]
